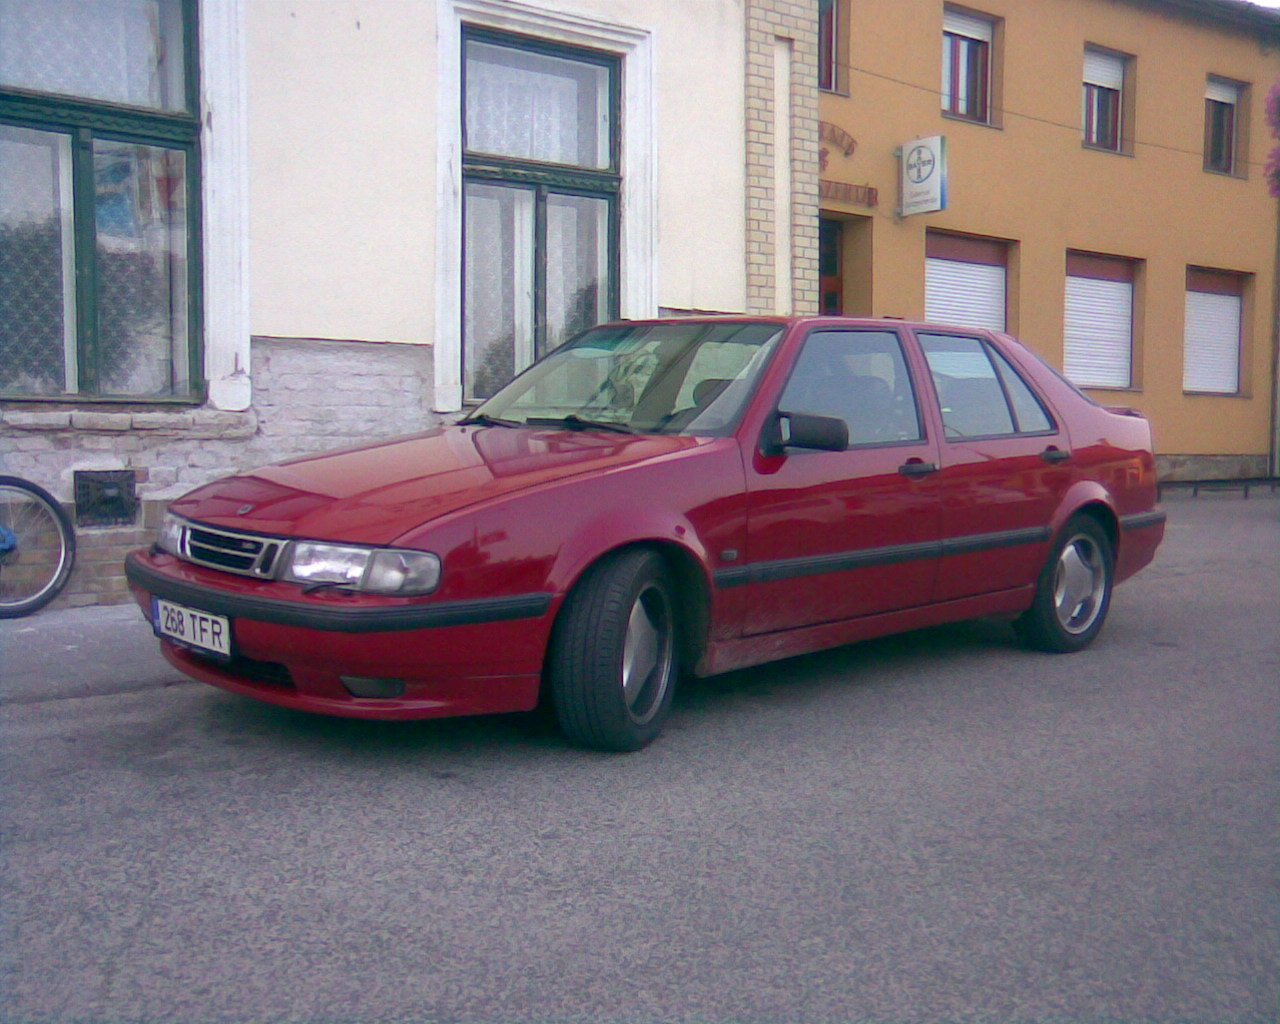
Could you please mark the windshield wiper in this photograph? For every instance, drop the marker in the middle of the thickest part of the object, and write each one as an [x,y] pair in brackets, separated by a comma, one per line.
[483,419]
[575,422]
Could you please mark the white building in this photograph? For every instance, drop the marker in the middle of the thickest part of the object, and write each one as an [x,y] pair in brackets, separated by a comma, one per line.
[232,231]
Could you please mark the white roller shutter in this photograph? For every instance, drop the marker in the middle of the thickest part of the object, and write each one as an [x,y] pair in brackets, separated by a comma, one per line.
[1104,69]
[1211,353]
[1098,332]
[967,25]
[1222,92]
[964,294]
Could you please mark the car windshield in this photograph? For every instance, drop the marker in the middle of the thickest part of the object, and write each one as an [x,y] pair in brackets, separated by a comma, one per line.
[647,378]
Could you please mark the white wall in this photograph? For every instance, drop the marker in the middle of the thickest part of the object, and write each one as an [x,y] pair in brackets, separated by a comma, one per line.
[342,168]
[343,113]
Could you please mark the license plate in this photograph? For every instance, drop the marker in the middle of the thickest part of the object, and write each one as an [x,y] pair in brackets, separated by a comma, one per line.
[191,627]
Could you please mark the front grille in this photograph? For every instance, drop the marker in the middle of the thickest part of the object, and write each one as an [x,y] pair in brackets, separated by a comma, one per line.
[244,553]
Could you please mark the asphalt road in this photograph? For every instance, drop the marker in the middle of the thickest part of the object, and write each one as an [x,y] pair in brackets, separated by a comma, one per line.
[939,827]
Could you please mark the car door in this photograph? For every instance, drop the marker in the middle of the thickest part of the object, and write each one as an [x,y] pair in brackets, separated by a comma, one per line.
[833,535]
[1005,465]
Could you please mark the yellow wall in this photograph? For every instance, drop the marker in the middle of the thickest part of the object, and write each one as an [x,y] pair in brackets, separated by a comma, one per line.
[1029,180]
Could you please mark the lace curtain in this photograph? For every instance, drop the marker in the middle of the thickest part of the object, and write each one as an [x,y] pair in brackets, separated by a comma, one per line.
[535,107]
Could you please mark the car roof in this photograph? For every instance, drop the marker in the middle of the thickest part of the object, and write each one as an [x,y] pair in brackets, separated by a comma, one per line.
[804,320]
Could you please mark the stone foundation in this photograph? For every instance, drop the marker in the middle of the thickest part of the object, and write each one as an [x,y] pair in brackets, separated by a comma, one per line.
[1180,468]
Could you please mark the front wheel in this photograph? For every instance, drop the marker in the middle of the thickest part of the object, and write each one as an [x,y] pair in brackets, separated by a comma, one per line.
[613,660]
[37,547]
[1073,592]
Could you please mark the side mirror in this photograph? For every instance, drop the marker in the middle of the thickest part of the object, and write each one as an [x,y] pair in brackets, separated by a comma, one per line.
[804,430]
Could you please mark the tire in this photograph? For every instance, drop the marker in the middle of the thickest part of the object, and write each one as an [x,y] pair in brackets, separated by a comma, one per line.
[614,654]
[1073,592]
[37,547]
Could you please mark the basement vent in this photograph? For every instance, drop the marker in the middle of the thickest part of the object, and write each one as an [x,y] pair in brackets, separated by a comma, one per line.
[106,497]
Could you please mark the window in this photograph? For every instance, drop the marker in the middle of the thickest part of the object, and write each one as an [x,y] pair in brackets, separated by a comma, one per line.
[1104,77]
[965,280]
[857,376]
[1098,321]
[1221,126]
[966,66]
[540,190]
[1212,332]
[828,34]
[98,200]
[980,392]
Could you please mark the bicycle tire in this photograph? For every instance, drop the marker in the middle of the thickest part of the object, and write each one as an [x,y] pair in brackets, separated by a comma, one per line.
[37,547]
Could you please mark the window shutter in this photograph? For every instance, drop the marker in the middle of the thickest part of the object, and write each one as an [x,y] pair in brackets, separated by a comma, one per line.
[1104,69]
[965,294]
[1211,354]
[1222,92]
[967,25]
[1098,332]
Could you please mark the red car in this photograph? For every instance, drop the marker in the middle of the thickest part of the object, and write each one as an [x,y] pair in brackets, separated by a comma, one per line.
[658,497]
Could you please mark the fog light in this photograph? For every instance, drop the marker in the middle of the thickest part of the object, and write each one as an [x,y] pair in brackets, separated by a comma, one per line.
[361,686]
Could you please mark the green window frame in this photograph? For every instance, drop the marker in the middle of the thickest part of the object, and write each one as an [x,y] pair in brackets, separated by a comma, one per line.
[100,236]
[540,223]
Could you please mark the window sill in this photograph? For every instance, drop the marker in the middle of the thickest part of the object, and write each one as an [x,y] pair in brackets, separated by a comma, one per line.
[949,116]
[190,424]
[1216,394]
[1217,172]
[1093,147]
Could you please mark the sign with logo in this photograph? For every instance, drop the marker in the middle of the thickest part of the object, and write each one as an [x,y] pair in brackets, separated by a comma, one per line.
[924,175]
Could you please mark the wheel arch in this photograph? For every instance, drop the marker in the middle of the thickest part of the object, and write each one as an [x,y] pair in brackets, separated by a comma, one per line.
[1105,516]
[692,598]
[1089,498]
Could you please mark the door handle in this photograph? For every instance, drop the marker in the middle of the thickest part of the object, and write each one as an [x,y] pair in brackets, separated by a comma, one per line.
[917,467]
[1054,454]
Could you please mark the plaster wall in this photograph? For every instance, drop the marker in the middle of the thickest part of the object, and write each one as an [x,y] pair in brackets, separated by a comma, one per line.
[1028,179]
[343,133]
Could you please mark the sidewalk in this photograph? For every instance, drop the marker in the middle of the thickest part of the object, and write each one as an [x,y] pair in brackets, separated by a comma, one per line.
[80,652]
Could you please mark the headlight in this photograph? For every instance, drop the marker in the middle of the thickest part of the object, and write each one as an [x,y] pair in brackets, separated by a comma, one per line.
[373,570]
[171,532]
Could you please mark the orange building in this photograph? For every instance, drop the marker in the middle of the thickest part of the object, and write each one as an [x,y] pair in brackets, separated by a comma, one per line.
[1087,174]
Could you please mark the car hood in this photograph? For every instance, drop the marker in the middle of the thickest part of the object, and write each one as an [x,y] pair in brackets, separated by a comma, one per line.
[376,493]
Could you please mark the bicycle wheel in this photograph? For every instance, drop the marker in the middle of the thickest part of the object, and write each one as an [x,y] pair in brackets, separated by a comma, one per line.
[37,547]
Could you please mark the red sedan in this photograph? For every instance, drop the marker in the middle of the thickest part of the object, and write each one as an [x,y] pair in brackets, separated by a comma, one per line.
[660,497]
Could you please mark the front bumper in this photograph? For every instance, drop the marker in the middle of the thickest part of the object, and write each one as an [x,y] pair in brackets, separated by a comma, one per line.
[477,656]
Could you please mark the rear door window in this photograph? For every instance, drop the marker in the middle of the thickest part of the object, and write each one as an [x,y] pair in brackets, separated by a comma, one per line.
[980,392]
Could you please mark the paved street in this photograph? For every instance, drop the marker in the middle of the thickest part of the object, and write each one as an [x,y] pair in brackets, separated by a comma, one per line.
[940,827]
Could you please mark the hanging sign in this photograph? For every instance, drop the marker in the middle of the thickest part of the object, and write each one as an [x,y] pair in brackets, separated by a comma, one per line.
[924,175]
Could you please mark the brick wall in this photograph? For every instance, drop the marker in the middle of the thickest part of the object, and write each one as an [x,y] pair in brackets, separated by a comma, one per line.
[795,21]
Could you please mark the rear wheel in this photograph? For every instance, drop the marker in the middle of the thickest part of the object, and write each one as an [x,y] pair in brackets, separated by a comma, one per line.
[1073,592]
[613,659]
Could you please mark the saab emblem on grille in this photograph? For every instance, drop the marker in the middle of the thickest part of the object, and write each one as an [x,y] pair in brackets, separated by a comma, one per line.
[244,510]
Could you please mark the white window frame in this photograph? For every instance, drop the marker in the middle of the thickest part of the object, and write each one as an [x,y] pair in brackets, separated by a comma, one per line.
[637,202]
[224,196]
[968,26]
[1105,70]
[1222,91]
